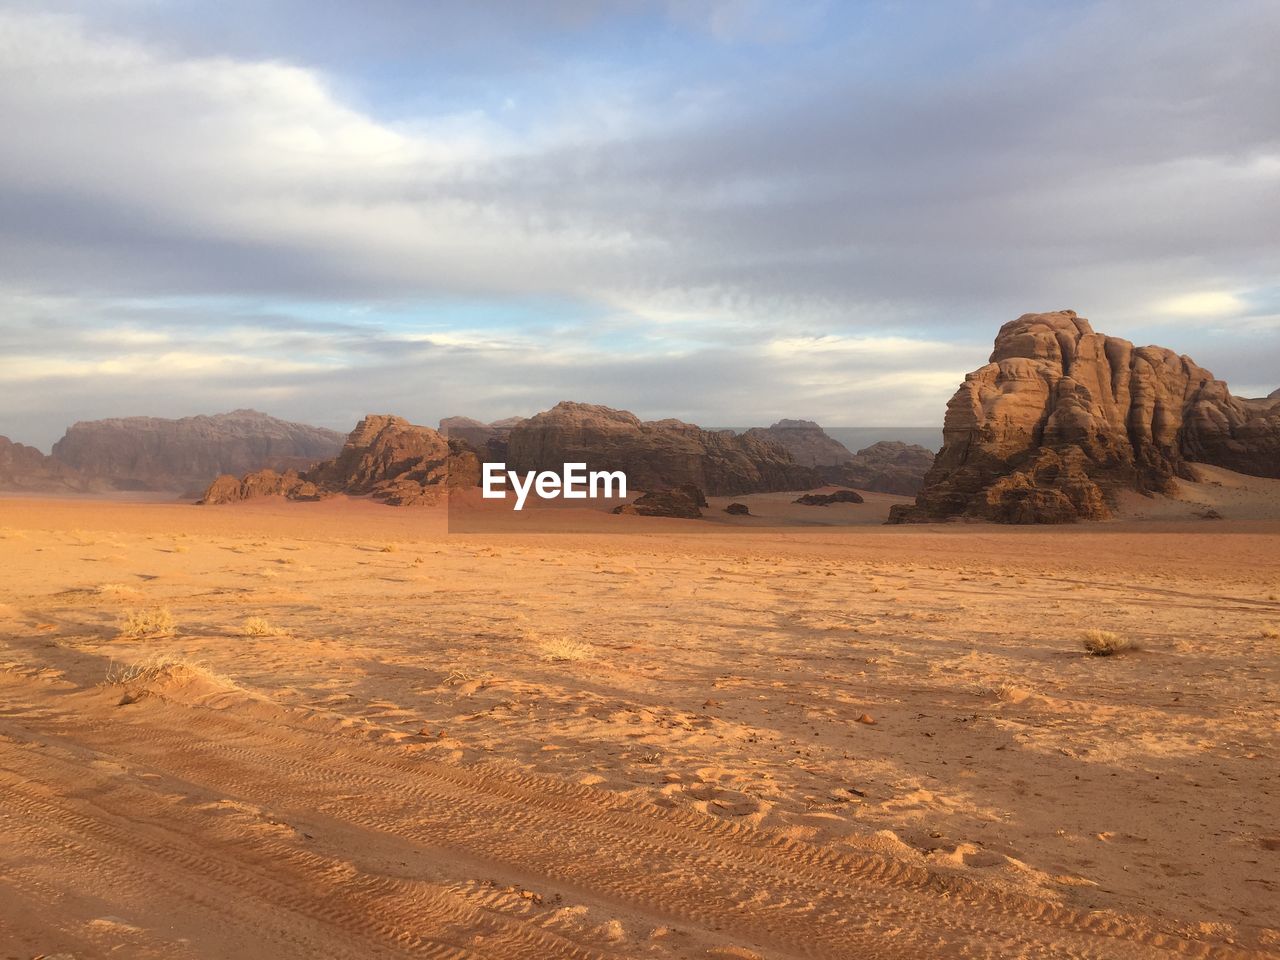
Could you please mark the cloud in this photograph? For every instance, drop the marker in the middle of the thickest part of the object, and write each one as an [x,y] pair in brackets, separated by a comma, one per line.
[1204,303]
[716,209]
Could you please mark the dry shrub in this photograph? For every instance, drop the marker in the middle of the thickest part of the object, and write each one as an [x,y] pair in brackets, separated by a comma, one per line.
[259,627]
[1104,643]
[564,650]
[163,670]
[1270,633]
[149,622]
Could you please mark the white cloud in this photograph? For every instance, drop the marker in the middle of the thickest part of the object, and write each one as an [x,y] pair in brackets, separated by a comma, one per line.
[1203,303]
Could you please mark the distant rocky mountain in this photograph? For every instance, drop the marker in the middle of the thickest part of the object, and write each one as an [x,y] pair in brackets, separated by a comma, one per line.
[25,468]
[488,440]
[889,466]
[1062,418]
[655,455]
[151,453]
[808,444]
[385,457]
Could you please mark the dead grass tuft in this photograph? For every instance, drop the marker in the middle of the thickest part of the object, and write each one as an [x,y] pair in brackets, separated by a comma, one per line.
[1104,643]
[163,670]
[1270,633]
[259,627]
[148,622]
[564,650]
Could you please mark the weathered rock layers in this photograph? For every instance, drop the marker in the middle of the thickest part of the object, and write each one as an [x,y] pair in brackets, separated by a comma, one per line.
[385,457]
[655,455]
[27,469]
[1062,417]
[152,453]
[808,444]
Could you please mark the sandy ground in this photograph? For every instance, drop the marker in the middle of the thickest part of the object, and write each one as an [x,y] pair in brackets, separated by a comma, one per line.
[364,736]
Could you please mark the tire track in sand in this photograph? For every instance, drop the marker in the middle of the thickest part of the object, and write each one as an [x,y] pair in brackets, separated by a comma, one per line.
[731,884]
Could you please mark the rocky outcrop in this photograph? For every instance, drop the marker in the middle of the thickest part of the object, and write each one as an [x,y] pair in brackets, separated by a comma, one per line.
[738,510]
[1061,418]
[888,466]
[487,440]
[26,469]
[150,453]
[808,444]
[655,455]
[681,503]
[826,499]
[385,457]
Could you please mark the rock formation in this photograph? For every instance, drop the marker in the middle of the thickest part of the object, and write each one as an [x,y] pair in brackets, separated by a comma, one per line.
[808,444]
[385,457]
[888,466]
[150,453]
[1061,418]
[655,455]
[487,440]
[738,510]
[27,469]
[826,499]
[681,503]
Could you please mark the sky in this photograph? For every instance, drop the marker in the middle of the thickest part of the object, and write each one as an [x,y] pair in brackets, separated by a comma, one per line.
[729,211]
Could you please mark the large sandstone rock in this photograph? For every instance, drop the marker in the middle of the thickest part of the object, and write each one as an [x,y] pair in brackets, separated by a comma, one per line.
[808,444]
[151,453]
[888,466]
[1062,417]
[385,457]
[27,469]
[655,455]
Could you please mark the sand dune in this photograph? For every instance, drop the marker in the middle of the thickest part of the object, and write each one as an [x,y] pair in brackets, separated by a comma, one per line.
[336,730]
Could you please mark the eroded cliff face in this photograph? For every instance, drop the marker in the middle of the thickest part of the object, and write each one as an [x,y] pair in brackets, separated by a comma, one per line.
[153,453]
[26,469]
[808,444]
[385,457]
[655,455]
[1062,417]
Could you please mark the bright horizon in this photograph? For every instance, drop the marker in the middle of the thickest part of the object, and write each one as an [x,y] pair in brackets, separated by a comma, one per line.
[729,211]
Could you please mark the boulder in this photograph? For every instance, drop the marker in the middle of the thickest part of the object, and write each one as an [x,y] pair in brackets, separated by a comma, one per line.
[1062,418]
[826,499]
[655,455]
[677,503]
[737,510]
[152,453]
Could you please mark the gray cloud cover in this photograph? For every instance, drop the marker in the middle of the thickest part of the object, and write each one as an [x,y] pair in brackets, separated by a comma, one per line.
[726,211]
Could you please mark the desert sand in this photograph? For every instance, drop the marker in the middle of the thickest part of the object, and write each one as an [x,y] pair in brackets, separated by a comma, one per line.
[339,730]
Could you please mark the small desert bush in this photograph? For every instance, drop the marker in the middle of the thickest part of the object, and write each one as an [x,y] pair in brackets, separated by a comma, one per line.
[259,627]
[161,670]
[1270,633]
[564,650]
[390,548]
[149,622]
[1104,643]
